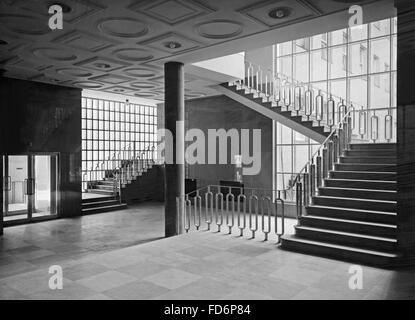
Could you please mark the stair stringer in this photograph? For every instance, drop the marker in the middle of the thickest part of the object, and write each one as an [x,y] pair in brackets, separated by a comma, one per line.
[269,113]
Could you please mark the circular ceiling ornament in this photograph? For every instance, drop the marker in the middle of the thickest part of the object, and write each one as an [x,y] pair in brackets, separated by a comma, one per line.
[132,54]
[87,84]
[280,13]
[54,54]
[122,27]
[23,24]
[74,72]
[219,29]
[140,72]
[142,85]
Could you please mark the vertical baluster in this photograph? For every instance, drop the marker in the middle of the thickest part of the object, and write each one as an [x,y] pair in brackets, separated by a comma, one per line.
[266,216]
[241,213]
[319,107]
[325,164]
[308,103]
[279,233]
[331,112]
[253,214]
[388,127]
[330,155]
[219,213]
[230,213]
[312,179]
[374,127]
[299,198]
[187,213]
[335,148]
[198,210]
[208,207]
[318,171]
[362,123]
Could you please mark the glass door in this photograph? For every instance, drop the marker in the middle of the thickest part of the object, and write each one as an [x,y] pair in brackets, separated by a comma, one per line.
[15,191]
[30,187]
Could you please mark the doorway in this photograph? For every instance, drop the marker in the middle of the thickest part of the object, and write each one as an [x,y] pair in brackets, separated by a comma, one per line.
[30,188]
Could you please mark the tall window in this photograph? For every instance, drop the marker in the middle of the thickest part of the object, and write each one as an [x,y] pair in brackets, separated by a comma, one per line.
[357,64]
[114,129]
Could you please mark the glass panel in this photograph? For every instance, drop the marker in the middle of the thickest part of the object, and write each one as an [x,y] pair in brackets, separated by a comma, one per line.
[380,55]
[284,158]
[284,67]
[17,202]
[380,91]
[394,52]
[338,37]
[319,41]
[300,157]
[358,58]
[319,65]
[302,45]
[301,67]
[338,62]
[358,91]
[380,28]
[285,48]
[358,33]
[44,189]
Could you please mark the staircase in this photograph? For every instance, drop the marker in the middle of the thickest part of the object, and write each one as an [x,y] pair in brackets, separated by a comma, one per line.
[101,204]
[114,183]
[353,216]
[276,110]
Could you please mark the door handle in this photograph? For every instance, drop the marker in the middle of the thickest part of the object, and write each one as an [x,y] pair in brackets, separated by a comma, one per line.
[30,186]
[25,185]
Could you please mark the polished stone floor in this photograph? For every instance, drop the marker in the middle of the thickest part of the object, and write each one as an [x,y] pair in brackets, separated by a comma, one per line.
[120,255]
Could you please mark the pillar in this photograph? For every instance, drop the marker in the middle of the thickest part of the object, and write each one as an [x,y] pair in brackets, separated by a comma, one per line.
[406,136]
[174,172]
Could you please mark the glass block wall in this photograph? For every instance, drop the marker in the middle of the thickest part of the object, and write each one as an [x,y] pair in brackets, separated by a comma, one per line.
[114,128]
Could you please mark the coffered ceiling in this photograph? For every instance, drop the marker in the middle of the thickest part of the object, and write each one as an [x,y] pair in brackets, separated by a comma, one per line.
[121,46]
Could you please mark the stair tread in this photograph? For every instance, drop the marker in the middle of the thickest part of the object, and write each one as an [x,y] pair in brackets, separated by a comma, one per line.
[106,207]
[358,180]
[375,224]
[357,199]
[340,247]
[349,234]
[362,171]
[359,189]
[99,202]
[366,164]
[353,209]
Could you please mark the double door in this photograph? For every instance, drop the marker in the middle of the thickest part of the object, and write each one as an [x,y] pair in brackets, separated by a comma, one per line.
[30,187]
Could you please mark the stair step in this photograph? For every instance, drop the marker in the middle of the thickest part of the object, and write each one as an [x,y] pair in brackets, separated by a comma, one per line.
[361,184]
[371,153]
[355,203]
[345,225]
[352,214]
[366,159]
[104,209]
[363,175]
[101,191]
[99,199]
[366,167]
[339,252]
[103,203]
[358,193]
[103,187]
[356,240]
[373,146]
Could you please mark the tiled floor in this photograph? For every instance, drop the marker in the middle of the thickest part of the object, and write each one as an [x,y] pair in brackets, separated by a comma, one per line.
[108,256]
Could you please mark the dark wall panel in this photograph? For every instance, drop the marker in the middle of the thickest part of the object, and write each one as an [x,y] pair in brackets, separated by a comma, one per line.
[222,112]
[45,118]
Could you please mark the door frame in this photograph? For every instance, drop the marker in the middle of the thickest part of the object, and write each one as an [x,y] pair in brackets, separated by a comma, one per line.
[55,193]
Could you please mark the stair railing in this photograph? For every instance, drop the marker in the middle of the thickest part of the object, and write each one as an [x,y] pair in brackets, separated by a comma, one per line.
[255,210]
[235,210]
[290,95]
[127,168]
[317,169]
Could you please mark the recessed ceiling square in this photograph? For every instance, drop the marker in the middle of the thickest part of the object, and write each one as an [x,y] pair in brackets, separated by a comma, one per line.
[171,11]
[172,43]
[260,12]
[102,64]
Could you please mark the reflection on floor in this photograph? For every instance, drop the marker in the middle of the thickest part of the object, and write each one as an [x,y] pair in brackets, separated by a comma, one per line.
[86,195]
[104,257]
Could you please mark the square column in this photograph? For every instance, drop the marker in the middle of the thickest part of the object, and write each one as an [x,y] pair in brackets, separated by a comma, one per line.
[174,122]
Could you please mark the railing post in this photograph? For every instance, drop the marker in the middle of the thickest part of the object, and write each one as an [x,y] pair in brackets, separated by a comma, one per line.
[312,180]
[318,171]
[325,164]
